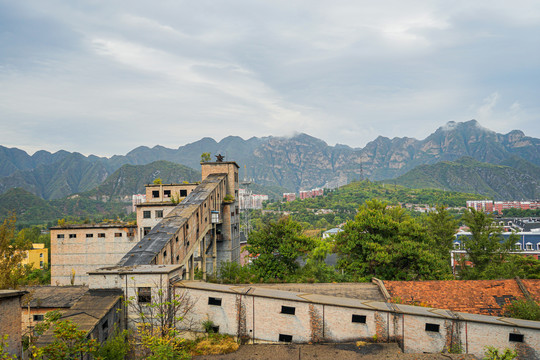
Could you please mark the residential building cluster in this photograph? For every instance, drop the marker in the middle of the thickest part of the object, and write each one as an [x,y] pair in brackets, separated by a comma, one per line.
[304,194]
[248,200]
[491,206]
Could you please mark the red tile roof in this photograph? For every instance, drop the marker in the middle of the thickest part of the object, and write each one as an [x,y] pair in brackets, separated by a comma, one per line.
[486,297]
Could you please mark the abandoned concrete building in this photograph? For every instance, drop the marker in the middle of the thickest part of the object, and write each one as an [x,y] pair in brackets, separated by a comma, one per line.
[193,225]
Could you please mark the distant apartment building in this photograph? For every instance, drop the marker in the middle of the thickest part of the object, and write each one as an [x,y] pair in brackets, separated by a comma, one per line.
[36,257]
[289,197]
[247,200]
[308,194]
[137,199]
[500,206]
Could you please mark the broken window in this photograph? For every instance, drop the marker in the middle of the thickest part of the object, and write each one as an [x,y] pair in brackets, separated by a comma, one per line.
[72,236]
[159,213]
[214,301]
[155,193]
[101,235]
[89,235]
[60,236]
[117,234]
[146,230]
[359,319]
[146,214]
[183,193]
[38,317]
[166,193]
[144,295]
[432,327]
[288,310]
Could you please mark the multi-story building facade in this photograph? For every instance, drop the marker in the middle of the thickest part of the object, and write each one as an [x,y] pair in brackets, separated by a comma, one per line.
[500,206]
[77,249]
[36,257]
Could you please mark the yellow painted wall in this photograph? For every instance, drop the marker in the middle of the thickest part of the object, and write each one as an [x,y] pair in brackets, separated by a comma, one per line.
[37,257]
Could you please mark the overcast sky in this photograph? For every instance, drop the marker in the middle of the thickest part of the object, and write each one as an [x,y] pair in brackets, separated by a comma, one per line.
[102,76]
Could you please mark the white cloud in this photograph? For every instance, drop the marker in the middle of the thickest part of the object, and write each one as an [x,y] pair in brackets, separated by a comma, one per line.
[343,71]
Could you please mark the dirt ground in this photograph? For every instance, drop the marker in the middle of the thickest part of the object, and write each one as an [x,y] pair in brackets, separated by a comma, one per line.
[342,351]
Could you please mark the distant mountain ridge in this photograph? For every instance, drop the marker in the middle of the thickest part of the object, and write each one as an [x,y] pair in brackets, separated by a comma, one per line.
[500,182]
[296,163]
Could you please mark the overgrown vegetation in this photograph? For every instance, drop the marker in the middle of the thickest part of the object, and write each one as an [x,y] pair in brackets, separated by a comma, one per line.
[526,309]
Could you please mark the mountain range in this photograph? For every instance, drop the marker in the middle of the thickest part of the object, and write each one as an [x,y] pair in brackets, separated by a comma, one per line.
[294,163]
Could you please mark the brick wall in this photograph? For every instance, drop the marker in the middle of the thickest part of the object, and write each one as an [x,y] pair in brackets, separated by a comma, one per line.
[10,320]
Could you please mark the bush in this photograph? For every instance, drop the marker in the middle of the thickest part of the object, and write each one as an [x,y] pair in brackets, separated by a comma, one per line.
[116,348]
[523,309]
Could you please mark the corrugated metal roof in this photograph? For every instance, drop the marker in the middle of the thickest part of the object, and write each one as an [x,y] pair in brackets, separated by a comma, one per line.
[146,250]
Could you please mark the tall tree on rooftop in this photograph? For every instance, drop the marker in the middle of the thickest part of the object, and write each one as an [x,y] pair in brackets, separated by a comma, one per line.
[386,242]
[486,247]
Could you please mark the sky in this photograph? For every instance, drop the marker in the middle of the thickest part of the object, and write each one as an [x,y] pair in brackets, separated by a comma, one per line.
[103,77]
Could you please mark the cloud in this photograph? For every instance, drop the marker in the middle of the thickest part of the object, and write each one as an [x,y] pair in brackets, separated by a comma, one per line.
[102,77]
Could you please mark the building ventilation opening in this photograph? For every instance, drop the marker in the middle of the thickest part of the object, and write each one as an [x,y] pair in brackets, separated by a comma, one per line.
[359,319]
[285,338]
[515,337]
[288,310]
[432,327]
[214,301]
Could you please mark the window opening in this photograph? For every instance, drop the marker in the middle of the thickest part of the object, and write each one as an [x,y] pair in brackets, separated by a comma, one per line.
[359,319]
[288,310]
[146,214]
[214,301]
[432,327]
[144,295]
[155,193]
[285,338]
[515,337]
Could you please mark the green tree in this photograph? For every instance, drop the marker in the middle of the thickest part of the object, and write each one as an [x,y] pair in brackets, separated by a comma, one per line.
[442,228]
[527,309]
[12,252]
[277,246]
[387,243]
[206,157]
[69,343]
[486,247]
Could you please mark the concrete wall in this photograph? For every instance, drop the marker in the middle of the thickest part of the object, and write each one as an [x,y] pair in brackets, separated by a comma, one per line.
[149,223]
[257,315]
[73,252]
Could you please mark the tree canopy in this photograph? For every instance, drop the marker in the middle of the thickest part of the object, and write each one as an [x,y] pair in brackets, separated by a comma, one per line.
[276,248]
[385,242]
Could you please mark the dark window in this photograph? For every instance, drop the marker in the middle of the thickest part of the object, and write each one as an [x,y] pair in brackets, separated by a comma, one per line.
[215,329]
[60,236]
[214,301]
[89,235]
[117,234]
[177,258]
[159,213]
[38,317]
[183,193]
[432,327]
[105,326]
[359,319]
[146,230]
[101,235]
[164,253]
[167,193]
[287,310]
[72,236]
[516,337]
[155,193]
[285,338]
[144,295]
[146,214]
